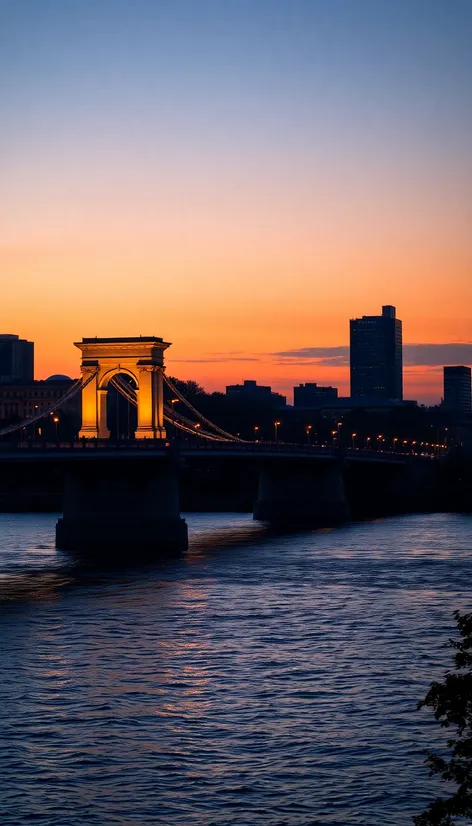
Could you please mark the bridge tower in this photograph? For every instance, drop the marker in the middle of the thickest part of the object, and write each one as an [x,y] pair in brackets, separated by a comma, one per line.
[141,358]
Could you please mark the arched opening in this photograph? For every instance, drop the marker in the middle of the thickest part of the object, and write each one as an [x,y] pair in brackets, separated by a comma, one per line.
[121,413]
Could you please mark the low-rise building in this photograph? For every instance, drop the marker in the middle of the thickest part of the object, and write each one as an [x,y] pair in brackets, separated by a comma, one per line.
[23,401]
[312,395]
[252,393]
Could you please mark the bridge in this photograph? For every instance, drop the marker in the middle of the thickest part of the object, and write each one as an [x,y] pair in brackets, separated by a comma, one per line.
[123,496]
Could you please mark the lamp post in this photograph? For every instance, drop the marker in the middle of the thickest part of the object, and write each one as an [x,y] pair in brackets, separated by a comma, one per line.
[276,429]
[308,430]
[36,408]
[172,402]
[395,440]
[353,436]
[256,432]
[56,422]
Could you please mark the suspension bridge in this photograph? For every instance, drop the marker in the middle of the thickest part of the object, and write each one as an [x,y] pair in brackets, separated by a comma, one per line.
[124,496]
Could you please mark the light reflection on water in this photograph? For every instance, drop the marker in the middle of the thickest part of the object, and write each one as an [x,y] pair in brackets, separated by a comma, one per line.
[255,680]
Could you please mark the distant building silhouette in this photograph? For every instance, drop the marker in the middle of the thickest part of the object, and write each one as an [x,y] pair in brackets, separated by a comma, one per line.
[376,355]
[457,389]
[22,401]
[312,395]
[254,393]
[16,359]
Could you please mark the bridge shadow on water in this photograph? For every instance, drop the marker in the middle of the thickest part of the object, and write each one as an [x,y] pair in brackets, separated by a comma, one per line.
[48,582]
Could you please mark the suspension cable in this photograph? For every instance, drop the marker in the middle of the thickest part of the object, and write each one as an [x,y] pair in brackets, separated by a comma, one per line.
[190,427]
[175,417]
[194,432]
[76,387]
[181,397]
[124,388]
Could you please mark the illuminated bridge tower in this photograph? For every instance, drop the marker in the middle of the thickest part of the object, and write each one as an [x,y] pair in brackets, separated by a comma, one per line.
[122,508]
[140,358]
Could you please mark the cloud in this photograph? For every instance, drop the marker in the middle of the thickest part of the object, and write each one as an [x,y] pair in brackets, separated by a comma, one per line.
[436,355]
[414,355]
[317,356]
[220,360]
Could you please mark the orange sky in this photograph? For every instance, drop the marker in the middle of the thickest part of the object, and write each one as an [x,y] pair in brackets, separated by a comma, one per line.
[241,196]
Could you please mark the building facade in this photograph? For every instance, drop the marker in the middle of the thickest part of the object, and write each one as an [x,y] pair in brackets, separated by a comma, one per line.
[16,360]
[253,393]
[19,402]
[376,356]
[312,395]
[457,389]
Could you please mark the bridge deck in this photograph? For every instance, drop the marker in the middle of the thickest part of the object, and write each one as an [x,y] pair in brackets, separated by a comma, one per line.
[149,449]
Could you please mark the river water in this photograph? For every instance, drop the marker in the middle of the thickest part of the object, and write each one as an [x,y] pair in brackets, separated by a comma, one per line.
[255,680]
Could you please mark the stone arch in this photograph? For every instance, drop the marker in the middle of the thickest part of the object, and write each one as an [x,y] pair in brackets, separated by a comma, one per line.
[105,378]
[143,360]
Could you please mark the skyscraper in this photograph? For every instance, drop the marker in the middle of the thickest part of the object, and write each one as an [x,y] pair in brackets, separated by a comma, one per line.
[16,360]
[457,389]
[376,355]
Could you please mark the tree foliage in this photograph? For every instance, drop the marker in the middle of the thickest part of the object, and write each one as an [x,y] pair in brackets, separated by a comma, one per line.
[451,702]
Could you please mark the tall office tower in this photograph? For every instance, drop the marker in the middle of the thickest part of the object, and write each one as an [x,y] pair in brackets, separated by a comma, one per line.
[376,355]
[16,360]
[457,389]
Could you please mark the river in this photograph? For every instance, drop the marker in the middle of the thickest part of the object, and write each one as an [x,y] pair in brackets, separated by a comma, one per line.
[255,680]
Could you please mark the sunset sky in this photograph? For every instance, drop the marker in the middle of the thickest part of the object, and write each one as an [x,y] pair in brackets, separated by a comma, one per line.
[239,177]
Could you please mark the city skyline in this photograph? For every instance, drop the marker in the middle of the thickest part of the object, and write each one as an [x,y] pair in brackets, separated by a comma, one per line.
[240,181]
[422,368]
[426,354]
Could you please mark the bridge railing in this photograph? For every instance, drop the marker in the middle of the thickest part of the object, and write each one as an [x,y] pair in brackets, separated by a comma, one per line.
[143,445]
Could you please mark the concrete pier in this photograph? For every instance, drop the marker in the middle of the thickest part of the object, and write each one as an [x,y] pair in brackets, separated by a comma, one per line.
[292,493]
[122,510]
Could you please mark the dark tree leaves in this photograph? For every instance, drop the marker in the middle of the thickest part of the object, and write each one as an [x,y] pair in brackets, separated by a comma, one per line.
[451,702]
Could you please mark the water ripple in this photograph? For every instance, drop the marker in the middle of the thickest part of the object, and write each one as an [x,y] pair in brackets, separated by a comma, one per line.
[256,680]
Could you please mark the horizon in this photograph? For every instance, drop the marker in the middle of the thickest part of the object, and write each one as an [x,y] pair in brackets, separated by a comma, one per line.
[419,360]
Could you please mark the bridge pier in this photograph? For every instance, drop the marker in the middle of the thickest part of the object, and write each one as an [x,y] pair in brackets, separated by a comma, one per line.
[122,511]
[293,493]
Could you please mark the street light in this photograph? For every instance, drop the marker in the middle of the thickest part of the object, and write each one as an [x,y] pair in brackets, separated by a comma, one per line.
[276,428]
[36,407]
[56,422]
[172,402]
[354,440]
[308,432]
[256,432]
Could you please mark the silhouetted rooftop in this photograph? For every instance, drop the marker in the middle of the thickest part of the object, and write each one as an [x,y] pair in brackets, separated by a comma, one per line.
[119,340]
